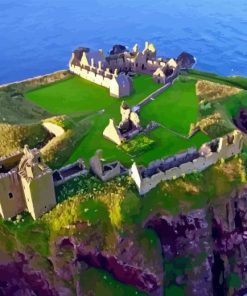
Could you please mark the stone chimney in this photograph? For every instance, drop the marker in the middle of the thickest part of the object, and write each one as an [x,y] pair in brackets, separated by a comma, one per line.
[146,45]
[92,62]
[135,48]
[99,65]
[116,72]
[102,53]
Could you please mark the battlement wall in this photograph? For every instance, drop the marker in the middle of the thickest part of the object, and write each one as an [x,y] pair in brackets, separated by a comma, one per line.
[96,75]
[8,162]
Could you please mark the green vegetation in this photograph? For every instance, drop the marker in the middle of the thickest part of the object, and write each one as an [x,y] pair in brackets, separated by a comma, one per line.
[14,137]
[100,283]
[15,109]
[29,234]
[168,143]
[176,108]
[236,81]
[65,143]
[138,145]
[194,191]
[234,281]
[81,96]
[99,213]
[78,95]
[234,103]
[220,101]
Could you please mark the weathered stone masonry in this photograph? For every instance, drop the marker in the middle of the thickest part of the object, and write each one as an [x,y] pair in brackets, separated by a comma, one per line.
[185,163]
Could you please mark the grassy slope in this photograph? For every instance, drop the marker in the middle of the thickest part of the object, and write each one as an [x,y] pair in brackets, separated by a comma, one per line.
[230,105]
[184,193]
[236,81]
[14,137]
[78,95]
[104,201]
[234,103]
[15,109]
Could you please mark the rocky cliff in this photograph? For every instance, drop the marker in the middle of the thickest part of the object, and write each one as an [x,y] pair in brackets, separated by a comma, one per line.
[204,253]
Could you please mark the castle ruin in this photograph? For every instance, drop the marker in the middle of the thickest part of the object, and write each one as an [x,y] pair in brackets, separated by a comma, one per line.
[190,161]
[127,128]
[113,71]
[25,183]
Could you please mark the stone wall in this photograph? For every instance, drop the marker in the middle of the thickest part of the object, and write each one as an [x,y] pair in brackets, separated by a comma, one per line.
[54,129]
[103,78]
[11,195]
[38,80]
[148,178]
[94,75]
[10,161]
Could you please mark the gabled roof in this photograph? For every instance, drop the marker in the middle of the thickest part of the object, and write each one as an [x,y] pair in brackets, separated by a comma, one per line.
[94,55]
[123,79]
[90,54]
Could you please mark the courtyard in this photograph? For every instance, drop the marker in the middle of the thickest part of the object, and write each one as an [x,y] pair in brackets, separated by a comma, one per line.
[175,110]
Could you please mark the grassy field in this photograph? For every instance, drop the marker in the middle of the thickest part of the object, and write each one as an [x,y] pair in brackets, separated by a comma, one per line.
[76,96]
[175,108]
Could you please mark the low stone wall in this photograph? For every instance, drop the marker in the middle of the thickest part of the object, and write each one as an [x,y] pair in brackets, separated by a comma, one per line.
[152,96]
[37,81]
[54,129]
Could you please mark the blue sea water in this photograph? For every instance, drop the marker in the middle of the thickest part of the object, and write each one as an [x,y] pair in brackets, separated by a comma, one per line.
[38,36]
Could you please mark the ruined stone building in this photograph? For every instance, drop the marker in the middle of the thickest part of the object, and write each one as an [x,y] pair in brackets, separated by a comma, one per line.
[25,183]
[106,171]
[190,161]
[113,71]
[92,66]
[127,128]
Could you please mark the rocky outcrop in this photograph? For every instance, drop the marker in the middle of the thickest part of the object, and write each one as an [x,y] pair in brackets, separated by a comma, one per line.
[17,278]
[241,120]
[215,242]
[186,60]
[117,49]
[186,236]
[122,270]
[203,250]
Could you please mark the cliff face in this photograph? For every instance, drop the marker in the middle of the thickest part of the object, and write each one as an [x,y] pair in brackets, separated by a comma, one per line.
[204,253]
[214,241]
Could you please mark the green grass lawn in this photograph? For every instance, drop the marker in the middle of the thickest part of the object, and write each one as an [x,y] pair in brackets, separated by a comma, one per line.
[167,143]
[77,95]
[176,108]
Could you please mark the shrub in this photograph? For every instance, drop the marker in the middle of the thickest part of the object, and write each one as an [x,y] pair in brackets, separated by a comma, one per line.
[138,145]
[209,91]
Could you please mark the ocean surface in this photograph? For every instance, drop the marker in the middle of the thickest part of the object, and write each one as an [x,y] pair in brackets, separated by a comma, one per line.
[38,36]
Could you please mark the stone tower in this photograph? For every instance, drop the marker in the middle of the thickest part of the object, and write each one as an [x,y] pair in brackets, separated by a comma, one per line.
[11,194]
[37,183]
